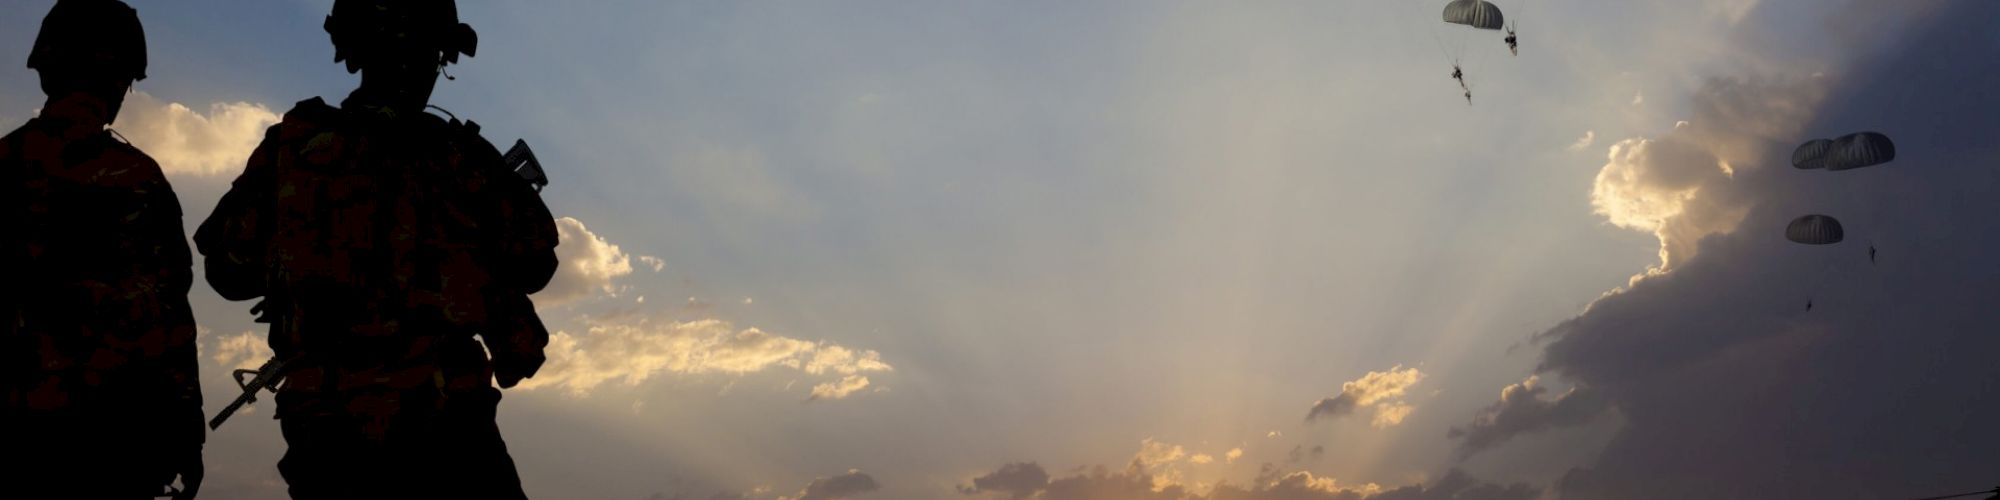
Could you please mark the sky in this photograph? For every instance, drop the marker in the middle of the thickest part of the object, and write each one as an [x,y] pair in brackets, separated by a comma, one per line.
[1165,249]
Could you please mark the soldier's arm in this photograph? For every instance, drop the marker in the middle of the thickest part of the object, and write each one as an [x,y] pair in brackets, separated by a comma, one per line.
[179,362]
[531,237]
[232,239]
[524,259]
[526,240]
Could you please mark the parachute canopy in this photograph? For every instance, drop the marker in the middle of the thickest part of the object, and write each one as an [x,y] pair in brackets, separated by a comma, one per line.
[1858,150]
[1814,230]
[1475,13]
[1812,154]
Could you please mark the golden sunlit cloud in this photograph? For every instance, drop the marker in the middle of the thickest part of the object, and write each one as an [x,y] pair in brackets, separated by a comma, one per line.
[1656,186]
[653,262]
[245,351]
[634,351]
[1582,143]
[840,388]
[1680,186]
[1381,390]
[188,143]
[586,265]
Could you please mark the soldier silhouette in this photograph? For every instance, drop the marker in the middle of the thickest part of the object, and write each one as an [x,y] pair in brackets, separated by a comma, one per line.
[98,358]
[382,239]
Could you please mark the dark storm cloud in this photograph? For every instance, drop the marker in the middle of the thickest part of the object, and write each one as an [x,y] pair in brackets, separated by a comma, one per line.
[1522,409]
[1730,388]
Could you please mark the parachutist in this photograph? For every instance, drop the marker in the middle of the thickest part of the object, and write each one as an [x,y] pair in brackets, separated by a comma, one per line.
[1468,98]
[1871,254]
[1808,305]
[1513,44]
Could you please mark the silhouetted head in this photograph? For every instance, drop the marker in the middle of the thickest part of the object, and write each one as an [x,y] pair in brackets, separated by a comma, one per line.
[398,46]
[89,52]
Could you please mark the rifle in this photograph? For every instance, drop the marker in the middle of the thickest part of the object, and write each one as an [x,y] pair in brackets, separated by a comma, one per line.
[266,377]
[516,352]
[522,161]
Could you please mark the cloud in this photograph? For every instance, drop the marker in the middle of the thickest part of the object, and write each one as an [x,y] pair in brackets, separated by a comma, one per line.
[1731,11]
[1638,98]
[839,389]
[1027,480]
[635,350]
[1457,485]
[852,484]
[1274,484]
[653,262]
[1682,185]
[1582,143]
[189,143]
[844,361]
[1725,386]
[1201,459]
[586,265]
[1232,455]
[1523,410]
[1300,454]
[1015,480]
[1381,390]
[245,350]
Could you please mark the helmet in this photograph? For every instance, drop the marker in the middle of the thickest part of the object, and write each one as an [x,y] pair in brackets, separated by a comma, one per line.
[100,35]
[360,28]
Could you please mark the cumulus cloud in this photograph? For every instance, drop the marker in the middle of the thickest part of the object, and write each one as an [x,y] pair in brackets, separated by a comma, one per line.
[245,350]
[850,485]
[1682,185]
[1522,409]
[1582,143]
[1232,455]
[839,389]
[1380,390]
[1727,388]
[586,265]
[187,142]
[634,350]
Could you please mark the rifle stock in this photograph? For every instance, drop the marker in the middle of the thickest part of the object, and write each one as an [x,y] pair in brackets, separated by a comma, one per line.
[265,377]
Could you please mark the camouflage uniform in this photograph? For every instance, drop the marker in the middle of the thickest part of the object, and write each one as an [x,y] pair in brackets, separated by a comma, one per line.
[385,243]
[98,361]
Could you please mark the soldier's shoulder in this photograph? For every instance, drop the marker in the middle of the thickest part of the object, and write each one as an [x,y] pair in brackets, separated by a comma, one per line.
[307,117]
[138,167]
[464,135]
